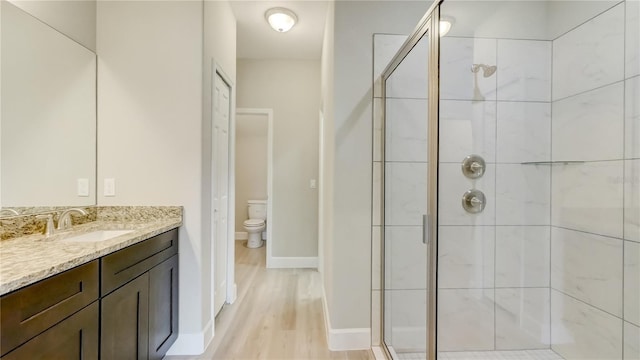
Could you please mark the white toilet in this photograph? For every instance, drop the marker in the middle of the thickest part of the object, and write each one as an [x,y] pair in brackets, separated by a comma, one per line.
[257,222]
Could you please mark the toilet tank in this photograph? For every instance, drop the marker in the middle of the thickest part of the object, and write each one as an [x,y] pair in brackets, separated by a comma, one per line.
[257,209]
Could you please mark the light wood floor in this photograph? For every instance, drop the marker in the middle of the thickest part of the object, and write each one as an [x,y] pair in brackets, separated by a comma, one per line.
[278,315]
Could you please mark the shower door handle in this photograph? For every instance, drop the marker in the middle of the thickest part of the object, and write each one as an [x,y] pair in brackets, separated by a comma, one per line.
[426,226]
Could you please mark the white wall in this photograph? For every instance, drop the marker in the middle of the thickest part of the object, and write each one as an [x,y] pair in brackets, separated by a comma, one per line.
[251,162]
[76,19]
[325,189]
[292,89]
[152,136]
[348,282]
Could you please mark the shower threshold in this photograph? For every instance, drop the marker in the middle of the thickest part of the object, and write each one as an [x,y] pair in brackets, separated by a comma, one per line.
[484,355]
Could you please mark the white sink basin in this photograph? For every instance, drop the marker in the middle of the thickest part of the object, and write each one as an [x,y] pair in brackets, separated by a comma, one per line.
[96,236]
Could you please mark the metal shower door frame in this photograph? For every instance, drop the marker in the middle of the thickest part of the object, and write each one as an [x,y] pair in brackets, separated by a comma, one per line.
[429,25]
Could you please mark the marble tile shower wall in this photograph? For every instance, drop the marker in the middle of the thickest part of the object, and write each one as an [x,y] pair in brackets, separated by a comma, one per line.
[595,236]
[494,266]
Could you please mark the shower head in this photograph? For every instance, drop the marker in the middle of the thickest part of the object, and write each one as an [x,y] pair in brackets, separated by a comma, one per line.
[487,70]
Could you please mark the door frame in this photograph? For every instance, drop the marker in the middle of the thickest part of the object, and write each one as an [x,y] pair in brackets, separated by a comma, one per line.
[270,215]
[428,24]
[232,291]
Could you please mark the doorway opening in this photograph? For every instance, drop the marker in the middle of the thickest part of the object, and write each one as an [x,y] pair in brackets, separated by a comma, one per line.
[254,175]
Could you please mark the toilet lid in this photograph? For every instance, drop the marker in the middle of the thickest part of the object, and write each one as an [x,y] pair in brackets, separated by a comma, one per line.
[254,222]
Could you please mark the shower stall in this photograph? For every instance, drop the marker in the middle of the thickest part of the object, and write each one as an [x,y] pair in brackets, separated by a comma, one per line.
[507,179]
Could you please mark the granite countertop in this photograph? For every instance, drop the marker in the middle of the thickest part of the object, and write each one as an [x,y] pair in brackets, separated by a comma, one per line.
[28,259]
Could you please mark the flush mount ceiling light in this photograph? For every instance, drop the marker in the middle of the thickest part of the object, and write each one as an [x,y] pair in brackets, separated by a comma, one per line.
[281,19]
[445,25]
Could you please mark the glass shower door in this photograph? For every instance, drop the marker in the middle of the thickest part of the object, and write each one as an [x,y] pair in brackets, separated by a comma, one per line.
[405,179]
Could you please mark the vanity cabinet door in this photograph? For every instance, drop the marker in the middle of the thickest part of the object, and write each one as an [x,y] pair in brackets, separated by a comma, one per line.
[125,321]
[27,312]
[73,338]
[163,307]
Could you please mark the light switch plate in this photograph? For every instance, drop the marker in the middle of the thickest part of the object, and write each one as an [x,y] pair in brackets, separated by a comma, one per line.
[313,184]
[109,187]
[83,187]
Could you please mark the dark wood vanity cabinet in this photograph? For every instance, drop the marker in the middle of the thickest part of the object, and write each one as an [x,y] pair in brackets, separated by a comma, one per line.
[139,316]
[53,318]
[121,306]
[163,307]
[125,321]
[73,338]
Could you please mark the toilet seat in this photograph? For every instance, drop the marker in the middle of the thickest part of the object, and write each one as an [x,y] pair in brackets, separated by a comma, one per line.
[253,223]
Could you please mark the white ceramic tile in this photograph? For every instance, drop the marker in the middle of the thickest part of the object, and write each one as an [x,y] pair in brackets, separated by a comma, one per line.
[406,130]
[632,282]
[523,318]
[410,78]
[408,319]
[385,46]
[580,331]
[524,70]
[632,118]
[376,311]
[457,55]
[465,320]
[376,258]
[378,114]
[587,267]
[588,197]
[466,128]
[522,194]
[632,200]
[377,193]
[523,256]
[589,126]
[631,342]
[466,257]
[453,185]
[405,258]
[495,355]
[406,194]
[589,56]
[524,132]
[632,37]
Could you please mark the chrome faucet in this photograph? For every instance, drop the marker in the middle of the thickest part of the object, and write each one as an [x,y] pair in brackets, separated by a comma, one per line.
[64,221]
[49,228]
[10,211]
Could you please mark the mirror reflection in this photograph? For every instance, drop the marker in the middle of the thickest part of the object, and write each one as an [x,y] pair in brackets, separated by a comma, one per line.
[48,116]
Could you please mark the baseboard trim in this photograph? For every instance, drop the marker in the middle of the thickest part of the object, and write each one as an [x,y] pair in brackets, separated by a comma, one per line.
[378,353]
[192,343]
[242,235]
[231,298]
[293,262]
[344,339]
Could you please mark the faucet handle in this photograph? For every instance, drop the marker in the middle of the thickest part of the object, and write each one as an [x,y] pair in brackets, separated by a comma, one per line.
[49,228]
[64,221]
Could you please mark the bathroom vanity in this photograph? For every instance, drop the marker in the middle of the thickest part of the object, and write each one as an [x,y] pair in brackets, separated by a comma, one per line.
[109,299]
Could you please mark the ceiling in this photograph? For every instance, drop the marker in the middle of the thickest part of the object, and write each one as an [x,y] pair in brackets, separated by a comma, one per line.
[256,39]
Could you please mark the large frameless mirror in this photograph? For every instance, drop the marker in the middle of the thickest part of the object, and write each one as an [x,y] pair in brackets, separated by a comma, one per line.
[48,115]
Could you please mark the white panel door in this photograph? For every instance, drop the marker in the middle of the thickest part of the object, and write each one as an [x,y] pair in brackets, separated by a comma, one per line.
[220,177]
